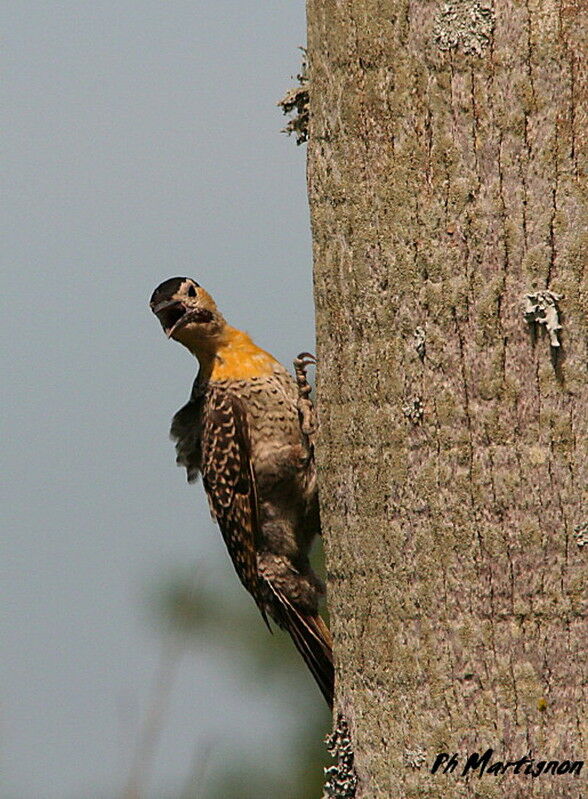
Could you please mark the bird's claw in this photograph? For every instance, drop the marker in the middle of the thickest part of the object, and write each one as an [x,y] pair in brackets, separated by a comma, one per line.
[306,412]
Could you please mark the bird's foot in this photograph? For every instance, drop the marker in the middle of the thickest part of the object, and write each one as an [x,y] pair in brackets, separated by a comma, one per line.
[306,411]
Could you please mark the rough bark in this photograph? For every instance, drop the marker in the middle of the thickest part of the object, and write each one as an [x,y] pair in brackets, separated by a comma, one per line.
[447,180]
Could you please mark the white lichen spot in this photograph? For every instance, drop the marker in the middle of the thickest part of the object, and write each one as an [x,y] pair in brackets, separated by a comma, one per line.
[415,758]
[419,338]
[541,309]
[414,410]
[581,534]
[464,23]
[341,779]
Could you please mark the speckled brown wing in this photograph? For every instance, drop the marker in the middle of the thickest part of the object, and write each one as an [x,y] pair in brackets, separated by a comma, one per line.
[228,478]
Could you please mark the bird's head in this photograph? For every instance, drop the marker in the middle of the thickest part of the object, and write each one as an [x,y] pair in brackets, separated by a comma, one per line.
[187,313]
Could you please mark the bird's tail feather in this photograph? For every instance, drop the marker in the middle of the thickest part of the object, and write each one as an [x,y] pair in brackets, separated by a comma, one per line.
[312,639]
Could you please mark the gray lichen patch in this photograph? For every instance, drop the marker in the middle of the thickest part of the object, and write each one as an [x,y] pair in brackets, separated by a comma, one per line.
[464,23]
[296,100]
[341,779]
[541,309]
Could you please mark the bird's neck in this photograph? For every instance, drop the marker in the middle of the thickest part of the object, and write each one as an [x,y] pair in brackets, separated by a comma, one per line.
[231,355]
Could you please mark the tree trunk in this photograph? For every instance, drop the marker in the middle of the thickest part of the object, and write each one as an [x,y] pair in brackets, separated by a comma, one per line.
[447,180]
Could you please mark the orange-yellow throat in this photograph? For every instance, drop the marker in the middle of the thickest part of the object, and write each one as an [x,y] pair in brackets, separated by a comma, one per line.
[233,356]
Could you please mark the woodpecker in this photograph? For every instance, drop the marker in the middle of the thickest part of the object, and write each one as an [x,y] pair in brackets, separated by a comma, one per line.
[246,430]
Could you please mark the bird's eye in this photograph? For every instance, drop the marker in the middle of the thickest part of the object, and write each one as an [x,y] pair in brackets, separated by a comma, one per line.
[191,291]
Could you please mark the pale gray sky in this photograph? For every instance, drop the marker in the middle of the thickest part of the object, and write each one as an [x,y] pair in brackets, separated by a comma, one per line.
[141,142]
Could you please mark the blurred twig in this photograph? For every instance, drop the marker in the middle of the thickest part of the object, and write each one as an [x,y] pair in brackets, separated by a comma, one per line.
[154,719]
[178,607]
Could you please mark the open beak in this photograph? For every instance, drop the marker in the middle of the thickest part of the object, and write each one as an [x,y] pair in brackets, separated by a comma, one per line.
[170,313]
